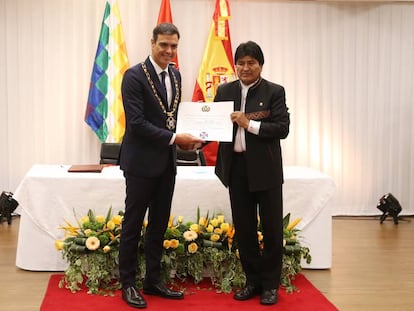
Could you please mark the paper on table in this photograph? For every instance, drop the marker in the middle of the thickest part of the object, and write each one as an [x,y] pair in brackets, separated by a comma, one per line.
[209,121]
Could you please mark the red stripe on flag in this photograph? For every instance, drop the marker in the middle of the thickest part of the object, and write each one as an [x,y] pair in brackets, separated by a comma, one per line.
[217,65]
[165,16]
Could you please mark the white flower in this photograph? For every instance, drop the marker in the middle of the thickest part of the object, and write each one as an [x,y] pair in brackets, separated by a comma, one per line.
[190,235]
[92,243]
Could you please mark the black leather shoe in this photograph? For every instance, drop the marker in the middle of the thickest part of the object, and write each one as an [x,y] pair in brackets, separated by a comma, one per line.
[161,290]
[269,297]
[247,292]
[133,298]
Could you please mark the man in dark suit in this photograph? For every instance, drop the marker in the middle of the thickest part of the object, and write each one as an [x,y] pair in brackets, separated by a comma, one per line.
[251,167]
[151,93]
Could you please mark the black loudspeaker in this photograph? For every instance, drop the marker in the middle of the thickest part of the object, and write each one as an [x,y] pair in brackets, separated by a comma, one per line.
[389,205]
[7,206]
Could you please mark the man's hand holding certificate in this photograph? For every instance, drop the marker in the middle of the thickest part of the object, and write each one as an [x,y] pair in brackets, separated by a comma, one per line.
[208,121]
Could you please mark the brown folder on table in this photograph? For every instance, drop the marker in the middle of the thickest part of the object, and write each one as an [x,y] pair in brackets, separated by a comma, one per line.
[86,168]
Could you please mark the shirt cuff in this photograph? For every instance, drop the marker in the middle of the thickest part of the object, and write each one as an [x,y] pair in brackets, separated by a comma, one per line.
[254,127]
[173,139]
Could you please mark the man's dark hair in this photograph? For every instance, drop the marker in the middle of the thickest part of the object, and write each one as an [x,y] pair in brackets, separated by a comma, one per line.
[251,49]
[165,29]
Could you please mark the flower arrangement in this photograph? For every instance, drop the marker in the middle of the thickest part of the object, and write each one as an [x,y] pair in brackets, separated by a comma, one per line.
[192,251]
[91,249]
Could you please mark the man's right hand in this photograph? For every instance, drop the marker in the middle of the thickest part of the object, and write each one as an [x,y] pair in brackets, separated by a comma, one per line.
[187,141]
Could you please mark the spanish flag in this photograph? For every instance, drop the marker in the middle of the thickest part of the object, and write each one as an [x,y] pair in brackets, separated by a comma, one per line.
[217,65]
[104,111]
[165,16]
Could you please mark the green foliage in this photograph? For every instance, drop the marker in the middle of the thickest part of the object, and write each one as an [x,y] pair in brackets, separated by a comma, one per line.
[192,251]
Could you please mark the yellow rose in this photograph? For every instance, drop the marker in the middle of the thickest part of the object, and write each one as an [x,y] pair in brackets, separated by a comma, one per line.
[218,231]
[92,243]
[100,219]
[167,244]
[117,219]
[59,244]
[214,222]
[110,225]
[210,228]
[192,248]
[174,243]
[225,226]
[180,219]
[107,249]
[84,219]
[214,237]
[220,218]
[194,227]
[88,232]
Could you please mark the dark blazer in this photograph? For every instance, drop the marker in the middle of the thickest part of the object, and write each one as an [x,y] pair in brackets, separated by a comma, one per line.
[145,149]
[265,102]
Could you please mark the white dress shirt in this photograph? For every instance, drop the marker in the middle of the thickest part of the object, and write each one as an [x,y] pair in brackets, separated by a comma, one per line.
[254,126]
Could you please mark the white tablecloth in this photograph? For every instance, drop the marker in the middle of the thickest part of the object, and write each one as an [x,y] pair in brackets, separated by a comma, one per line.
[48,195]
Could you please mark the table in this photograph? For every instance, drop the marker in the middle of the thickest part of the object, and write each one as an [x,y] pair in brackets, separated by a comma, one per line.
[48,195]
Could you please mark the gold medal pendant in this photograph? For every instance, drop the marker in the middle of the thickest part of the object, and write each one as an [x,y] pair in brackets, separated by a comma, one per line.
[171,123]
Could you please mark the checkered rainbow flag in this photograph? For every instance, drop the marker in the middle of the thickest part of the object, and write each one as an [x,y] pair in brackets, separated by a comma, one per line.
[104,111]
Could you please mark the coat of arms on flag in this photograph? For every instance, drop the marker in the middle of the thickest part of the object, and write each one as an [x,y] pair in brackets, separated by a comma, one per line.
[217,65]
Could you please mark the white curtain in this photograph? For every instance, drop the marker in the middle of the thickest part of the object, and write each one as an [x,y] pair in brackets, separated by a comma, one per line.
[348,70]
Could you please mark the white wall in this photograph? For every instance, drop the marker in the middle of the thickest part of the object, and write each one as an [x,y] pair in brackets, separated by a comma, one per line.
[347,67]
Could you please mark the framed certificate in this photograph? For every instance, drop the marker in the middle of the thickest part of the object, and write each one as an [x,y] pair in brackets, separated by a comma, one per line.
[209,121]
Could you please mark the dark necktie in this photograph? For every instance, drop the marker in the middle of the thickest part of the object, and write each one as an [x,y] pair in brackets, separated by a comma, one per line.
[163,73]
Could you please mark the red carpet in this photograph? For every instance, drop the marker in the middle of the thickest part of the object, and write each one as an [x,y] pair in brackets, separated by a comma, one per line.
[196,298]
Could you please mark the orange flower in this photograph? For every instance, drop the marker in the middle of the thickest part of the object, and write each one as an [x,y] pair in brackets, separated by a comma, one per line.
[230,232]
[174,243]
[192,248]
[167,244]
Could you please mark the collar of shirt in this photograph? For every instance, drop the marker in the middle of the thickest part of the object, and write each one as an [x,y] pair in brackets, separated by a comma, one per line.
[158,69]
[245,87]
